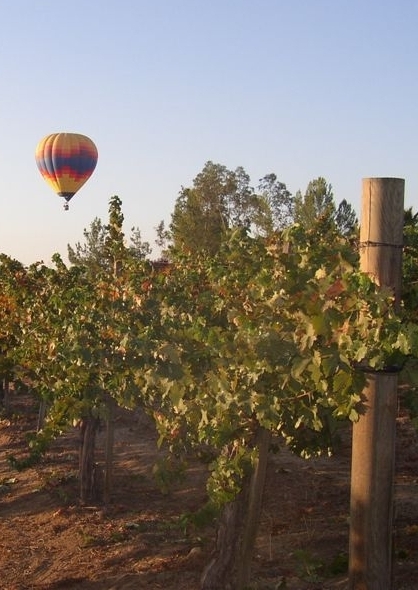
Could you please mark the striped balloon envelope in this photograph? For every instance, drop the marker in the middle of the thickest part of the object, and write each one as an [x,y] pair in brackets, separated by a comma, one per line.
[66,161]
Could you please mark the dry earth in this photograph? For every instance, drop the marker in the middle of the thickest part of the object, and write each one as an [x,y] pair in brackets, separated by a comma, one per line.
[49,541]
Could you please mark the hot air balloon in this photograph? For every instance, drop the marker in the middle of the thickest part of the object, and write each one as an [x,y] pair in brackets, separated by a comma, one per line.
[66,161]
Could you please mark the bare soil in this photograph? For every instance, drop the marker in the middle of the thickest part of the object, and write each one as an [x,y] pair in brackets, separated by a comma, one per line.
[144,539]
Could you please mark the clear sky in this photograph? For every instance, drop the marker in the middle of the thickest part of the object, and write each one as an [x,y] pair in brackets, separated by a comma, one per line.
[301,88]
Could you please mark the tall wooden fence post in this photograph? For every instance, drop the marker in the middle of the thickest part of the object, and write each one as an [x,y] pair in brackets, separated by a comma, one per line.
[373,450]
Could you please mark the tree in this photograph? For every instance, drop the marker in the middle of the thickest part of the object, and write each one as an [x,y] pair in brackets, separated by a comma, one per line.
[163,240]
[80,318]
[346,219]
[138,249]
[82,338]
[105,244]
[221,200]
[316,210]
[410,263]
[91,252]
[409,375]
[316,206]
[201,213]
[12,298]
[114,247]
[275,205]
[253,341]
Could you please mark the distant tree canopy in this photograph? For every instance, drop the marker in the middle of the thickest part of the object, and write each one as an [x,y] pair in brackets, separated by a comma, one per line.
[317,209]
[204,212]
[91,252]
[221,199]
[410,263]
[105,246]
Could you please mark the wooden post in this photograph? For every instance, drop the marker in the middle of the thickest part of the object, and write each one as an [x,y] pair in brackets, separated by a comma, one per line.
[373,450]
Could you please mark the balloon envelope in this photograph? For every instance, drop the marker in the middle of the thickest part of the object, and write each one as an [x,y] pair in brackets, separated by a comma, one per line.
[66,161]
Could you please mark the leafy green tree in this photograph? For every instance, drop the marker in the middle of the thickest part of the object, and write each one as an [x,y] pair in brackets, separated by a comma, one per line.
[12,297]
[316,205]
[74,351]
[91,252]
[83,341]
[346,219]
[163,240]
[138,248]
[221,200]
[253,341]
[201,214]
[409,376]
[316,210]
[275,206]
[105,243]
[410,264]
[115,250]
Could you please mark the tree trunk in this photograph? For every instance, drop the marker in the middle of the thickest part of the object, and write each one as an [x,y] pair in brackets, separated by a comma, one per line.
[255,501]
[41,414]
[6,395]
[221,572]
[230,566]
[87,476]
[110,435]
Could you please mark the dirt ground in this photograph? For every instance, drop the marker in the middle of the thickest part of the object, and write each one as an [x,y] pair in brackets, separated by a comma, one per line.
[144,540]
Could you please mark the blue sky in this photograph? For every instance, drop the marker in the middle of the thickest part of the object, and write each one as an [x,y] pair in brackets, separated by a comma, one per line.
[302,88]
